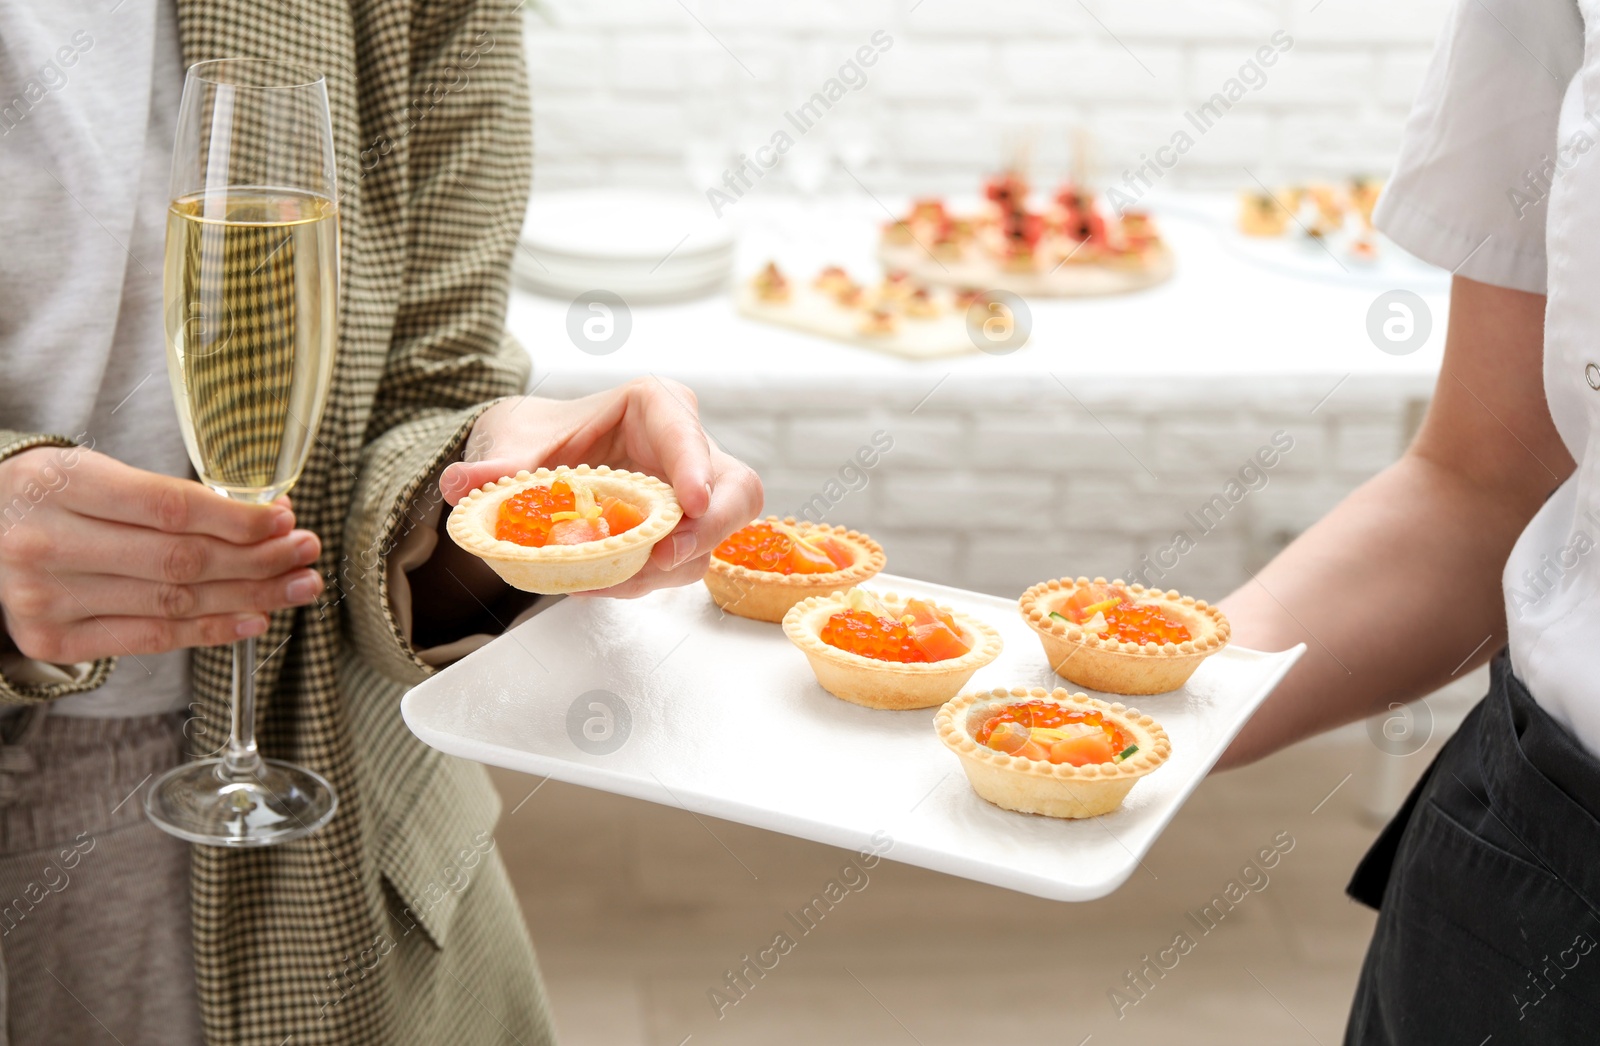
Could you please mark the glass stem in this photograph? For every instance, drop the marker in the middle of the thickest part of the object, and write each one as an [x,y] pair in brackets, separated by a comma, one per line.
[242,759]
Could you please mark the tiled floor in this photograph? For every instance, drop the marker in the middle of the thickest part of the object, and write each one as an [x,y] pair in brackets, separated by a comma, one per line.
[639,910]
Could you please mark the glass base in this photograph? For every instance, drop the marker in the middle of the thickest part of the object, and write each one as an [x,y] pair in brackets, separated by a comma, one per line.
[205,803]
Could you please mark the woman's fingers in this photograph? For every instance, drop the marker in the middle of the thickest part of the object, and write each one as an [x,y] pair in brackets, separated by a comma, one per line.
[85,545]
[98,637]
[461,478]
[523,433]
[650,425]
[102,487]
[663,429]
[736,497]
[115,561]
[71,597]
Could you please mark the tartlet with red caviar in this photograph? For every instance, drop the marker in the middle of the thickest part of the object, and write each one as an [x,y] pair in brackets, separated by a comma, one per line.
[886,651]
[1048,752]
[1120,638]
[565,529]
[763,569]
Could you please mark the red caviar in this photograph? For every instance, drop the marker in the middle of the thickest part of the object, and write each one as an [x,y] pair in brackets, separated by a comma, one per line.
[1143,624]
[526,517]
[1125,620]
[922,634]
[766,546]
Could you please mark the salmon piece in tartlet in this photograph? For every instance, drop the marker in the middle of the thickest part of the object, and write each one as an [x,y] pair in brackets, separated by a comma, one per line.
[763,569]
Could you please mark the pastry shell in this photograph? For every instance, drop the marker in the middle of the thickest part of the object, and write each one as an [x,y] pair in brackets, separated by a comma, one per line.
[767,595]
[890,685]
[567,568]
[1033,786]
[1114,667]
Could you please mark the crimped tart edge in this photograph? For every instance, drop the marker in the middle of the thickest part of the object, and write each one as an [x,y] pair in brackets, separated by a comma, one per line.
[1154,745]
[469,527]
[1214,623]
[869,566]
[801,625]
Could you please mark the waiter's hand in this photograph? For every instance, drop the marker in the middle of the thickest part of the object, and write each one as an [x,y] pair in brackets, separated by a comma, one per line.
[98,559]
[650,425]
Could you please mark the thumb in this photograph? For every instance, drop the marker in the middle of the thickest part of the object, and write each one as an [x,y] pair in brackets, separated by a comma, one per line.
[461,478]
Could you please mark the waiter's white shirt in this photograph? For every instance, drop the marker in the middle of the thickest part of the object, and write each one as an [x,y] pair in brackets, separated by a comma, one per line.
[1500,175]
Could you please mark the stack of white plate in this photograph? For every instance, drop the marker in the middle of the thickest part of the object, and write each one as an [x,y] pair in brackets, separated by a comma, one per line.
[643,246]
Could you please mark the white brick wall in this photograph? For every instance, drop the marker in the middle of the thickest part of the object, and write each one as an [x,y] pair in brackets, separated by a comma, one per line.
[625,89]
[986,491]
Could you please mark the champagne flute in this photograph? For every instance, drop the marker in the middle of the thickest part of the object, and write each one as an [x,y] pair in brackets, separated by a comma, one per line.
[252,286]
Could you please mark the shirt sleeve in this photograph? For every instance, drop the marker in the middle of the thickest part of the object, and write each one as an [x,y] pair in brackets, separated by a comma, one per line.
[1468,192]
[23,680]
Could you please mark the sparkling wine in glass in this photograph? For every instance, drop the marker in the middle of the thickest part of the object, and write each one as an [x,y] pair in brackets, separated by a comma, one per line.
[252,288]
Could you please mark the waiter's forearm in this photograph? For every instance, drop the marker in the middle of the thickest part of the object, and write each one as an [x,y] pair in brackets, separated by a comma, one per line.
[1398,589]
[1393,593]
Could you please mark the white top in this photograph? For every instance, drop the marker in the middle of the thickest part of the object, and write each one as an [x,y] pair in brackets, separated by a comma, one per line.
[91,98]
[1497,172]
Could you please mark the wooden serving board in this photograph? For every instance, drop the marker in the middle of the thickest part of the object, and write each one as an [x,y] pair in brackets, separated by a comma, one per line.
[1070,280]
[816,313]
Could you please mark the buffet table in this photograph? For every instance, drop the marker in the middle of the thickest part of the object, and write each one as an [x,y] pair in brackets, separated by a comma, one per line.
[1084,451]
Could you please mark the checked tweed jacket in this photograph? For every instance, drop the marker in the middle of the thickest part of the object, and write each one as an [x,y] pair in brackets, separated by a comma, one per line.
[362,934]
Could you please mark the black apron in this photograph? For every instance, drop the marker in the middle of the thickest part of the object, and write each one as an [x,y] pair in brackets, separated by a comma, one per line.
[1488,888]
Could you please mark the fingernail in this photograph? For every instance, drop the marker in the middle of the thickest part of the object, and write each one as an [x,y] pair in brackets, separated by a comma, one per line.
[305,545]
[302,589]
[254,625]
[282,522]
[682,547]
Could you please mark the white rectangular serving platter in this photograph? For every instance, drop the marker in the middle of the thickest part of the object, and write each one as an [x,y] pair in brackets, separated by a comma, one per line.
[721,716]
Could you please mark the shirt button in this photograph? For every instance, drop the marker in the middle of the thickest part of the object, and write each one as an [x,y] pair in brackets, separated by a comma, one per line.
[1591,373]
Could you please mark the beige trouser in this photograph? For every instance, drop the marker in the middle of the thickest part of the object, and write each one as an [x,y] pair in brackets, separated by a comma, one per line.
[94,900]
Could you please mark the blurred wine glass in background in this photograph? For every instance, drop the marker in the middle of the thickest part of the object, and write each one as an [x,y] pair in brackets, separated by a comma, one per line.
[708,117]
[807,166]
